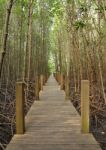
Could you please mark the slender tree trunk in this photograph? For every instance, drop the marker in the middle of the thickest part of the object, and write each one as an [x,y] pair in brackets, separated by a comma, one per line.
[5,35]
[30,36]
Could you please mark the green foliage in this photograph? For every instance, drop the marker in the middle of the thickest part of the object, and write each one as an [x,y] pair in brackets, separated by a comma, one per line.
[103,31]
[2,7]
[51,65]
[69,1]
[83,8]
[100,8]
[56,9]
[80,24]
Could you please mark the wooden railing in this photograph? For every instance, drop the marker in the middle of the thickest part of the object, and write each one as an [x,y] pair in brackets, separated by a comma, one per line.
[85,110]
[20,119]
[20,101]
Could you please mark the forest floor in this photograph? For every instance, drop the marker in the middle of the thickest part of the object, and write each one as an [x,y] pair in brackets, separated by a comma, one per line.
[99,134]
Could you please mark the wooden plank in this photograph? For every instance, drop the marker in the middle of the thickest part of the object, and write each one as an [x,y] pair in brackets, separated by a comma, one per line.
[55,138]
[53,123]
[53,147]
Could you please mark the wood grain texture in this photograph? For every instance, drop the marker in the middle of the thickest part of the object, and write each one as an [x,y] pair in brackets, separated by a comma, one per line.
[20,121]
[85,114]
[53,124]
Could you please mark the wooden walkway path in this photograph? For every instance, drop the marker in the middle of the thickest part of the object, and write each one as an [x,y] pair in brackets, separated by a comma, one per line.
[53,124]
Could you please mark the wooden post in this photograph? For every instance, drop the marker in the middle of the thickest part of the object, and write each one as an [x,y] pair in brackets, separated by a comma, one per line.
[85,106]
[37,87]
[20,121]
[58,78]
[62,82]
[44,79]
[55,75]
[67,88]
[41,82]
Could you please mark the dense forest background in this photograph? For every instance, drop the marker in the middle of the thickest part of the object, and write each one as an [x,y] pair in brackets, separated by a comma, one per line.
[38,37]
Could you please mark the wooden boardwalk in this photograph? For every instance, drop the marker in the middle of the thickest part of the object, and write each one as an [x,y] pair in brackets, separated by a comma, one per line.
[53,124]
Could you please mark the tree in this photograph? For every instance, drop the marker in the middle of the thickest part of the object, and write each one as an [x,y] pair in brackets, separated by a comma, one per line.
[6,34]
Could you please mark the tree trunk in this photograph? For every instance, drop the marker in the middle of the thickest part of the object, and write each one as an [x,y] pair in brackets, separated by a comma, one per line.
[5,35]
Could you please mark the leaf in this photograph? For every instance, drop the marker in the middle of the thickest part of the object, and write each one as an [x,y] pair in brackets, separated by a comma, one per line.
[79,24]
